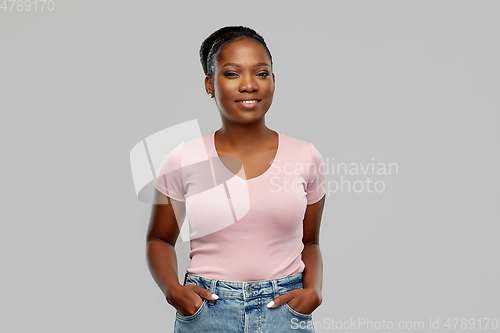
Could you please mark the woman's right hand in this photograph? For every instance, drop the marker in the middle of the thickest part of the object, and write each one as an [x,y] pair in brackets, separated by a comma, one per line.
[189,298]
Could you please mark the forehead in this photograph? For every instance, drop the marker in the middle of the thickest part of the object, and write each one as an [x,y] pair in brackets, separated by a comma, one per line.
[244,50]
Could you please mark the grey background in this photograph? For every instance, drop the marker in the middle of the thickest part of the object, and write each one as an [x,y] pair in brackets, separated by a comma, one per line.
[414,83]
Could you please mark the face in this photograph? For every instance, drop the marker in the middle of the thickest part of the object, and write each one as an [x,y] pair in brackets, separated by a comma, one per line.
[242,72]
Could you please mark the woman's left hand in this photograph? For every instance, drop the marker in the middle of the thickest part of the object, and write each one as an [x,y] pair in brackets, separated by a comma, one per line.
[303,301]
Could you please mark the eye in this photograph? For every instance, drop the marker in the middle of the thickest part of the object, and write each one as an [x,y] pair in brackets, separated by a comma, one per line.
[263,74]
[229,74]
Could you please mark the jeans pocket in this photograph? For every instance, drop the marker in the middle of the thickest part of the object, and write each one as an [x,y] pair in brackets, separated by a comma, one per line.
[194,315]
[297,314]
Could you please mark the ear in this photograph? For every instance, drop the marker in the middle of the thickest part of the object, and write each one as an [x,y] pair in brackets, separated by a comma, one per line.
[208,86]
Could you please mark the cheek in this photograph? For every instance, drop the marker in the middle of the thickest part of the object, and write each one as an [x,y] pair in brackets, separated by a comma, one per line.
[268,88]
[225,91]
[269,92]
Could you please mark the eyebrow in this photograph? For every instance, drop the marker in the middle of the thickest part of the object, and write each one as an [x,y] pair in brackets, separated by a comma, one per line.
[237,65]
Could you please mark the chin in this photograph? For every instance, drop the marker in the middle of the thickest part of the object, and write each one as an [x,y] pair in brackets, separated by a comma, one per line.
[246,120]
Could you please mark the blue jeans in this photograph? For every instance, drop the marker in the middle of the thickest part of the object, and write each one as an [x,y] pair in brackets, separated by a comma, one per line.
[242,308]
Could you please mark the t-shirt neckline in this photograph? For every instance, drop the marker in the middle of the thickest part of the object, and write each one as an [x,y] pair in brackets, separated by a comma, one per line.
[273,164]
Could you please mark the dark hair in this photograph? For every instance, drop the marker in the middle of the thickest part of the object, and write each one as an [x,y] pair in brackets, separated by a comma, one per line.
[211,46]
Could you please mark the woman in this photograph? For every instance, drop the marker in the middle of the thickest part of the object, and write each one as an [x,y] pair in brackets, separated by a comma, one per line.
[263,271]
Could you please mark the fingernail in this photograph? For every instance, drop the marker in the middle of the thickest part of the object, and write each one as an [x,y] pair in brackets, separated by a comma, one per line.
[270,304]
[215,296]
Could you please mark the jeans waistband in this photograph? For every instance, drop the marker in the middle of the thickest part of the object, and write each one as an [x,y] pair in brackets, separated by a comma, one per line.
[247,289]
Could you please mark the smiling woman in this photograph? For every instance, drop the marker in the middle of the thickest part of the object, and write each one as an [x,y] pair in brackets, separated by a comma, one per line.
[241,81]
[263,271]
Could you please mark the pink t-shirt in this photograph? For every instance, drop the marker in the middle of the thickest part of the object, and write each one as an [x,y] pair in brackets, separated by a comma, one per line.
[244,230]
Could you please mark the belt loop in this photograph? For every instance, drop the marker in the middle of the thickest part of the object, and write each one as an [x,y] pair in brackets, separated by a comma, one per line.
[214,284]
[212,289]
[275,286]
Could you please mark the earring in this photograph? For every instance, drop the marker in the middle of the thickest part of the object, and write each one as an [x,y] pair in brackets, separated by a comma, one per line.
[210,95]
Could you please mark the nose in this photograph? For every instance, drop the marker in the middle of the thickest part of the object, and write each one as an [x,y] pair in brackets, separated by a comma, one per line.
[248,83]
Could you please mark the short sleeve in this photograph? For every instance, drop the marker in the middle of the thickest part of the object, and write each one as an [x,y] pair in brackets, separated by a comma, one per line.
[168,179]
[316,184]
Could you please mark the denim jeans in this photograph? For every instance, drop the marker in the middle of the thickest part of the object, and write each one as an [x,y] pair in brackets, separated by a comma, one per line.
[242,307]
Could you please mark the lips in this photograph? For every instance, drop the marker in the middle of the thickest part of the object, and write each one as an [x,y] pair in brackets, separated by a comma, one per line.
[248,100]
[248,104]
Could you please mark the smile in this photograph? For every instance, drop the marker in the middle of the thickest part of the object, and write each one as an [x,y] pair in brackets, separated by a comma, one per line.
[248,102]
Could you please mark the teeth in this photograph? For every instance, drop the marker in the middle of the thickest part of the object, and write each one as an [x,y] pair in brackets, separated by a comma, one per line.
[248,102]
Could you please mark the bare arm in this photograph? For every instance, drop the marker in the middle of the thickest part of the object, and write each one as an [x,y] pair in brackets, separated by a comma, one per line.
[161,237]
[311,255]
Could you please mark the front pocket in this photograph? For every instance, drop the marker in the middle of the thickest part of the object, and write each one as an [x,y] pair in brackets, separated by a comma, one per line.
[194,315]
[298,314]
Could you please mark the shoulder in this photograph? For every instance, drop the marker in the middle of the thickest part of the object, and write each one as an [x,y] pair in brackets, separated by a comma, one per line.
[294,142]
[194,150]
[298,148]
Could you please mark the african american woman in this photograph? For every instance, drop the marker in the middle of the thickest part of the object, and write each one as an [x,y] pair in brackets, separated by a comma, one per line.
[256,264]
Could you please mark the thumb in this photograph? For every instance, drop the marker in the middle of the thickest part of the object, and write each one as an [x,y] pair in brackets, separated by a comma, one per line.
[205,293]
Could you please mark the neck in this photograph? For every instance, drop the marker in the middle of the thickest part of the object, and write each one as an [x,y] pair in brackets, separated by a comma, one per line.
[243,135]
